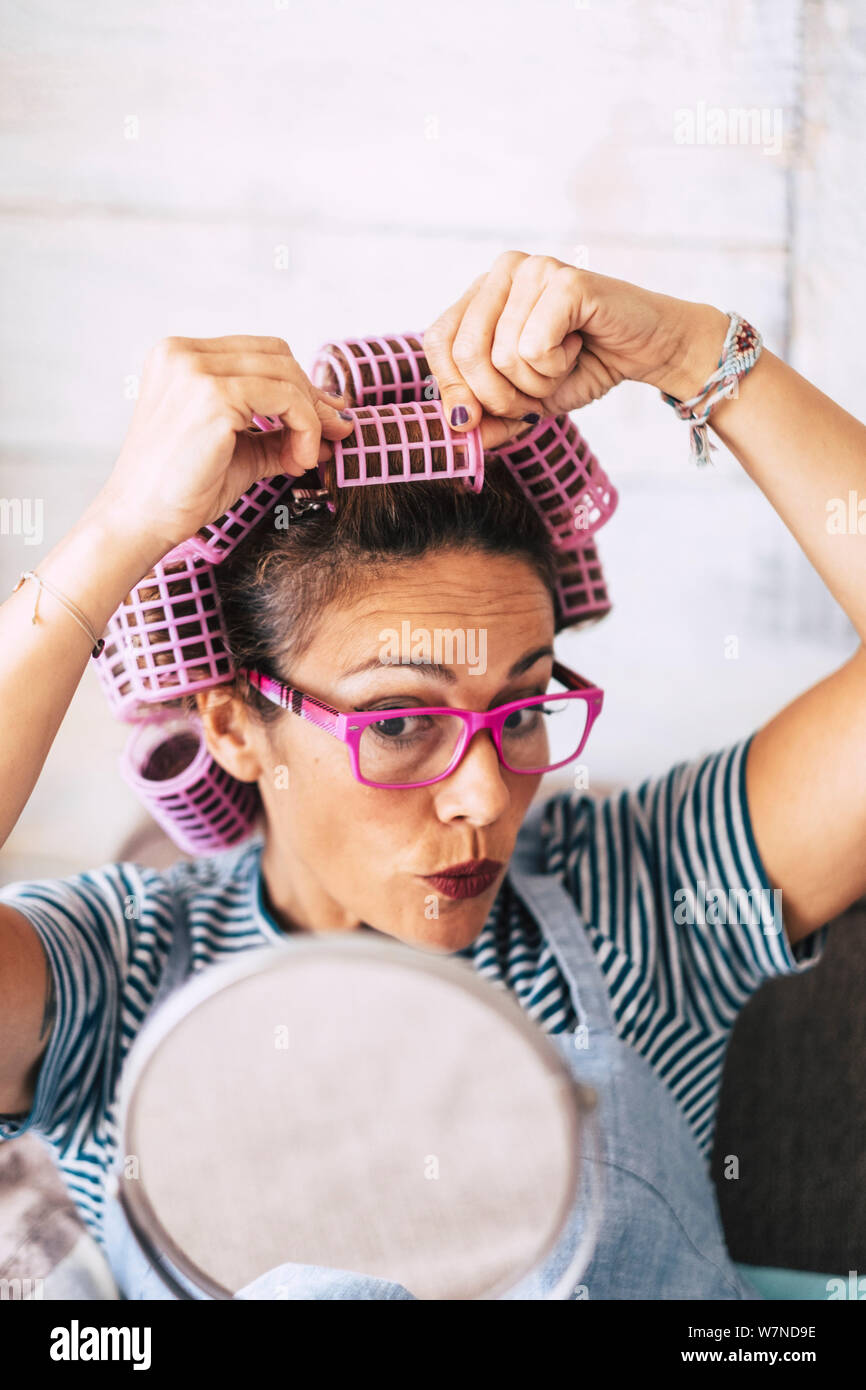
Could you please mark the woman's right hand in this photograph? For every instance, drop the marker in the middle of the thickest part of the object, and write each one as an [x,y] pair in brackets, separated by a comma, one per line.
[534,334]
[186,457]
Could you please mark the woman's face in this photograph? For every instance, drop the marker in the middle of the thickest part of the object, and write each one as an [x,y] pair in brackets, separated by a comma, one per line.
[339,854]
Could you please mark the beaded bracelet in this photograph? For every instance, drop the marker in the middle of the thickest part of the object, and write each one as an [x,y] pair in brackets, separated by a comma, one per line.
[740,351]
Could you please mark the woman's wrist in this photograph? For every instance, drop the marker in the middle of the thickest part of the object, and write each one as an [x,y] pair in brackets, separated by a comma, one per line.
[697,341]
[99,560]
[115,519]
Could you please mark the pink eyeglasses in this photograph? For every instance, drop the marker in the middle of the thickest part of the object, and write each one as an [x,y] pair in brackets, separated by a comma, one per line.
[420,745]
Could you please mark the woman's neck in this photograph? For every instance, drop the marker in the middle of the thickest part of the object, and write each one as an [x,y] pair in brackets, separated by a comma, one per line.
[296,899]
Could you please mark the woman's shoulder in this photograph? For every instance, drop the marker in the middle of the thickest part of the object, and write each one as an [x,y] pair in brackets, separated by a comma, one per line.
[208,871]
[131,890]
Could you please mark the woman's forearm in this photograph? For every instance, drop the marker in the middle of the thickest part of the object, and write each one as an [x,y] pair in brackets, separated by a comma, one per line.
[187,457]
[806,454]
[804,782]
[95,565]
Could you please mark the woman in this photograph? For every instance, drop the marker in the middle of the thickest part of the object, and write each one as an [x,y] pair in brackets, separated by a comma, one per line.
[584,926]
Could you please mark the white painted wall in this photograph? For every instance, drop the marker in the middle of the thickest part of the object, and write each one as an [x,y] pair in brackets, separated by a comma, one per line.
[161,163]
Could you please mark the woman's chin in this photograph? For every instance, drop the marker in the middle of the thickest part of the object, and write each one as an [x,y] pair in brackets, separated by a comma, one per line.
[451,925]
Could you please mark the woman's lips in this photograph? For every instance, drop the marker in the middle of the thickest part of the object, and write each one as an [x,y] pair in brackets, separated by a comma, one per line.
[465,880]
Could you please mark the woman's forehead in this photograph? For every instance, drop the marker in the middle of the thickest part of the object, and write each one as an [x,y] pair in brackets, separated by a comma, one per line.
[463,584]
[499,605]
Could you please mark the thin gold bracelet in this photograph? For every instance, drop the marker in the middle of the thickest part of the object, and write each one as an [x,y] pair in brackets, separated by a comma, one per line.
[71,608]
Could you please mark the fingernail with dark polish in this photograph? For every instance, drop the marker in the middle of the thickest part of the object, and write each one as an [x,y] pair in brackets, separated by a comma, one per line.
[345,415]
[459,415]
[532,418]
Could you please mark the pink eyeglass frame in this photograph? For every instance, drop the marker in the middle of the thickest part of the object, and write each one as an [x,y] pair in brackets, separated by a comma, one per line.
[337,722]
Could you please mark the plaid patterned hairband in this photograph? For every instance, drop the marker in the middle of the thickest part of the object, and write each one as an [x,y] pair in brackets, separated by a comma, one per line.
[741,350]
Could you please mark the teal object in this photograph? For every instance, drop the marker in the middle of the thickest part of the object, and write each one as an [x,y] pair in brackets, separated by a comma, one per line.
[790,1283]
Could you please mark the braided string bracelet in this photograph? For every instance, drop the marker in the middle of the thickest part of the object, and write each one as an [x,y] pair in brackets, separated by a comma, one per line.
[740,351]
[71,608]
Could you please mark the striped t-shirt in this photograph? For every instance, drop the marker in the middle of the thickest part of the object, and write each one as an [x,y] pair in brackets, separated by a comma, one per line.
[677,970]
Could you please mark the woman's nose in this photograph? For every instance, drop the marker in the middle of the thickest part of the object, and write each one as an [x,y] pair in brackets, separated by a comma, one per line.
[476,790]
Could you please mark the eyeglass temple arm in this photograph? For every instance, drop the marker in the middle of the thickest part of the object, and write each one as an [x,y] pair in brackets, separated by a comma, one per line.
[571,678]
[316,711]
[307,706]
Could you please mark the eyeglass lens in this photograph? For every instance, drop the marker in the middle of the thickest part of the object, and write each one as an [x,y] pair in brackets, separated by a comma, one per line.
[407,748]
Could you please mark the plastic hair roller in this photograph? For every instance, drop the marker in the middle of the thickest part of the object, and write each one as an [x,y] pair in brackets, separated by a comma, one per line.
[166,639]
[562,478]
[375,371]
[581,591]
[407,442]
[217,540]
[199,805]
[116,682]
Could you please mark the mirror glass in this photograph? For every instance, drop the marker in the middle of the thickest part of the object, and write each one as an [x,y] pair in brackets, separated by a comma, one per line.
[352,1105]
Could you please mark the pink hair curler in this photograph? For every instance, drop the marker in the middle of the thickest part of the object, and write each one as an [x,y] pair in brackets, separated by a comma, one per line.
[562,478]
[375,371]
[167,636]
[219,538]
[199,805]
[581,590]
[407,442]
[113,675]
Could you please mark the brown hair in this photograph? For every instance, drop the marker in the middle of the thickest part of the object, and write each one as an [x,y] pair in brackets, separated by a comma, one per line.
[334,372]
[275,584]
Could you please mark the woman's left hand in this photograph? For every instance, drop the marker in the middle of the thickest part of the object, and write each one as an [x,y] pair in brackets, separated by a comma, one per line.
[535,335]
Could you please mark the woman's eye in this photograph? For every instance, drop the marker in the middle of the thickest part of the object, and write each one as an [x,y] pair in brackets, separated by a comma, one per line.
[519,718]
[392,728]
[528,719]
[400,725]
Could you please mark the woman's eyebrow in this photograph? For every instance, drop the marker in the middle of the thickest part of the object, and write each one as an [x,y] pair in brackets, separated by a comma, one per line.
[424,668]
[529,660]
[435,668]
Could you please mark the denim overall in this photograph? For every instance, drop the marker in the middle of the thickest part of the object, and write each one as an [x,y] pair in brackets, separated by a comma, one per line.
[660,1235]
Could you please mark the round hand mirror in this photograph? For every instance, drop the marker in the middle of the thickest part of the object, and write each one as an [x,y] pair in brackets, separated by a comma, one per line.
[350,1117]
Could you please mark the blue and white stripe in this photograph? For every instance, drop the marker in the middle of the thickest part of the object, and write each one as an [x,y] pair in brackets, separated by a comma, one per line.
[675,989]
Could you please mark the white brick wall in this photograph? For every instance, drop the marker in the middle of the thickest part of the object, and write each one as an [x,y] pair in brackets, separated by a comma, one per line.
[154,159]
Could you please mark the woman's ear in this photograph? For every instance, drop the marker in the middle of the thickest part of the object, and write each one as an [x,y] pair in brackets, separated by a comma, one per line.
[230,733]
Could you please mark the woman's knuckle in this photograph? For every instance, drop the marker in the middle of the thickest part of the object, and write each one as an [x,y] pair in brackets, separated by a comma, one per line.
[532,346]
[286,363]
[164,351]
[207,389]
[508,260]
[503,358]
[466,351]
[569,276]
